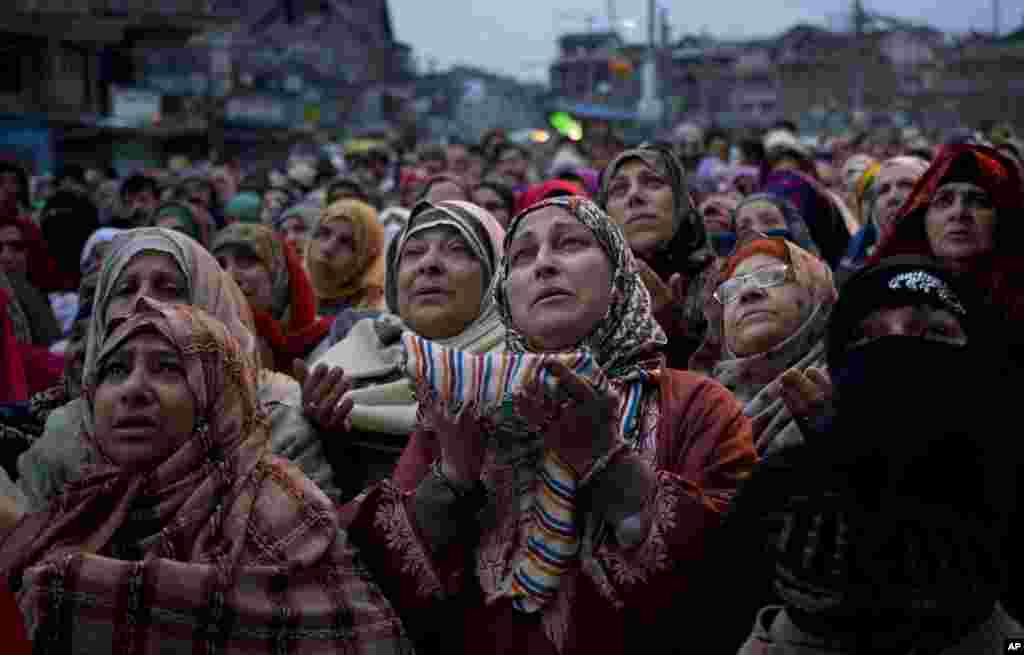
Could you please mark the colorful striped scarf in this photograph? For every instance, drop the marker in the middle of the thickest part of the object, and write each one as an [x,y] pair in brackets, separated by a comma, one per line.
[489,382]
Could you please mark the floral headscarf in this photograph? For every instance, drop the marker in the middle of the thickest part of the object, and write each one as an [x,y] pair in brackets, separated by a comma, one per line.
[687,251]
[754,378]
[219,526]
[291,329]
[359,284]
[628,334]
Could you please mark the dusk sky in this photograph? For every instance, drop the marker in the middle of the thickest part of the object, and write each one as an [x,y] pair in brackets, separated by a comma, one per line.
[518,37]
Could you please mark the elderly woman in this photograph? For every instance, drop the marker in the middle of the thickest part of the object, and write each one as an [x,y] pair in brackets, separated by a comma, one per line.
[556,526]
[645,193]
[170,267]
[271,276]
[879,553]
[184,477]
[884,190]
[345,258]
[439,271]
[961,212]
[776,299]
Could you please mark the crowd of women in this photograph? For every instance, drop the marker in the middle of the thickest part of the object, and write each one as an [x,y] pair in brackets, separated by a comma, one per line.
[662,397]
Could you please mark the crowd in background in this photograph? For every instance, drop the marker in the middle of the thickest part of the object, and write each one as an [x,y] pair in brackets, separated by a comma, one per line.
[723,392]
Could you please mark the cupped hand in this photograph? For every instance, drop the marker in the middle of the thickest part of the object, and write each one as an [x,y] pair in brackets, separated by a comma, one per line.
[581,428]
[322,393]
[805,392]
[662,294]
[460,432]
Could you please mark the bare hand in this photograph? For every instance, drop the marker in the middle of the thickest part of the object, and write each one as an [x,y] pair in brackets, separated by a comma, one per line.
[322,392]
[580,429]
[460,434]
[662,295]
[10,514]
[805,392]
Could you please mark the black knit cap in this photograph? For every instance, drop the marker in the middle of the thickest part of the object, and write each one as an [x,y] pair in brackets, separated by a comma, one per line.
[905,280]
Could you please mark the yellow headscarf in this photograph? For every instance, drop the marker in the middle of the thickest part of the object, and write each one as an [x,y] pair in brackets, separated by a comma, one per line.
[359,282]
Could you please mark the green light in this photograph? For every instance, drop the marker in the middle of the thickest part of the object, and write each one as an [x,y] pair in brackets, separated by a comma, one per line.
[565,124]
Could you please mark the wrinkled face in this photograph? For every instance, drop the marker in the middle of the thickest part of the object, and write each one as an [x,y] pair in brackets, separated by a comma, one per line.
[560,280]
[335,241]
[922,321]
[758,319]
[458,160]
[758,217]
[960,223]
[440,283]
[294,230]
[152,274]
[8,190]
[642,203]
[251,274]
[444,190]
[143,407]
[13,251]
[894,185]
[487,198]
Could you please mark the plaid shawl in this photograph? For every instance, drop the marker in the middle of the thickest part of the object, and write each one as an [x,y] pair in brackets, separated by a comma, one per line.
[221,547]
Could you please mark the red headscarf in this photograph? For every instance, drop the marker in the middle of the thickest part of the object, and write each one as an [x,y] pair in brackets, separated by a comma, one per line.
[546,190]
[42,269]
[1002,273]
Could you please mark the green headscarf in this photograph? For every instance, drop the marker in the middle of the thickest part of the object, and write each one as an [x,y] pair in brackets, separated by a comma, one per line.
[246,207]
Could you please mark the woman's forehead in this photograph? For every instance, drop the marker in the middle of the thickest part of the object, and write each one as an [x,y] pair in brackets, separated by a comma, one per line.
[544,220]
[756,262]
[434,233]
[152,260]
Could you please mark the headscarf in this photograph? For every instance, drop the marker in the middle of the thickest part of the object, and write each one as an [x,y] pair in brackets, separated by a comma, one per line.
[1002,272]
[220,526]
[853,169]
[439,179]
[869,194]
[371,355]
[13,383]
[245,207]
[820,210]
[754,379]
[96,248]
[550,189]
[208,286]
[687,251]
[193,224]
[358,283]
[42,269]
[796,226]
[291,328]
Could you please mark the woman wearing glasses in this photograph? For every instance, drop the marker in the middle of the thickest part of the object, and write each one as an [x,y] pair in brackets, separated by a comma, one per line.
[775,300]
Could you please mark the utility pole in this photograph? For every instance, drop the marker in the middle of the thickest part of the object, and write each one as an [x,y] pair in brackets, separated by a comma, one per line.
[996,16]
[613,17]
[860,20]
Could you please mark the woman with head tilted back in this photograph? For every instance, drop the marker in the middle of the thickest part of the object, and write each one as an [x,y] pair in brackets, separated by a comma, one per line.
[645,193]
[564,488]
[185,513]
[439,270]
[170,267]
[345,258]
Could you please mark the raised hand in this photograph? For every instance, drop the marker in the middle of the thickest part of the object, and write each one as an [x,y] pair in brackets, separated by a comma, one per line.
[322,392]
[460,433]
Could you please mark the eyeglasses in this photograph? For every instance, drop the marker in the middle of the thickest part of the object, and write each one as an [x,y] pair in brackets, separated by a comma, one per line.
[763,278]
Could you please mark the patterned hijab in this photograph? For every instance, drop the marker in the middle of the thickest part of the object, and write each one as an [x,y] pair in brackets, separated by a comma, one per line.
[358,283]
[291,329]
[218,527]
[628,334]
[687,251]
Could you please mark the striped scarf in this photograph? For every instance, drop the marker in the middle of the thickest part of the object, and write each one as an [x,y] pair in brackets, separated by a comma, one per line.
[489,382]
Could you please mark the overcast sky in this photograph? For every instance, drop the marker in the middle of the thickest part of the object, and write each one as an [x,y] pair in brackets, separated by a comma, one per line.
[517,37]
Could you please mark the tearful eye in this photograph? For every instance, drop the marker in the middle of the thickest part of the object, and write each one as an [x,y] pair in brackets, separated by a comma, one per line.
[113,371]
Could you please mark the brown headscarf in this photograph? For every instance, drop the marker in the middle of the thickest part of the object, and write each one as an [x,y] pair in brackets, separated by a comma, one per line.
[358,283]
[145,560]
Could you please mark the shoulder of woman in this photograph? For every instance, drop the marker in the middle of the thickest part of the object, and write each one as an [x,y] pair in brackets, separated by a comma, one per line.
[687,393]
[288,504]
